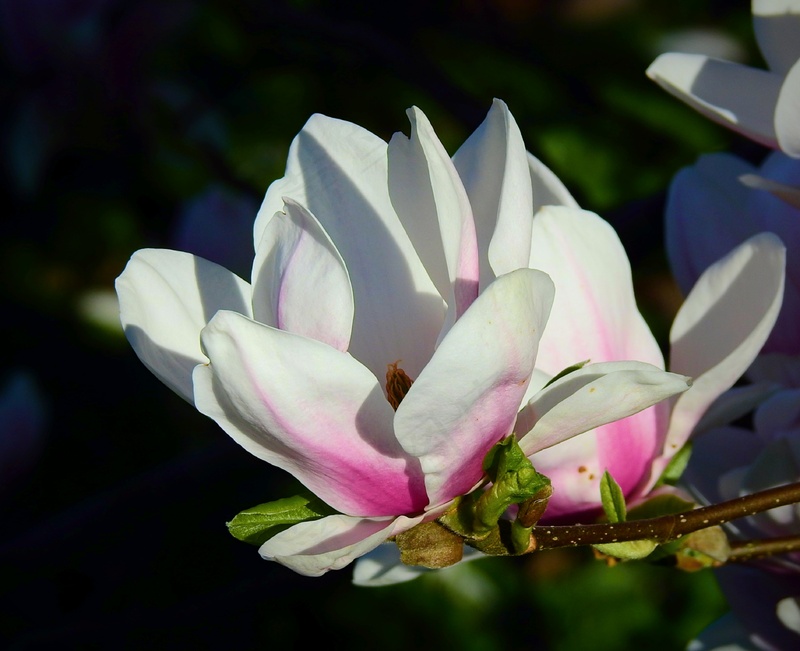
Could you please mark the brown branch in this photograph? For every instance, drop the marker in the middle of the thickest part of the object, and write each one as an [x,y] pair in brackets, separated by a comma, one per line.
[747,550]
[665,528]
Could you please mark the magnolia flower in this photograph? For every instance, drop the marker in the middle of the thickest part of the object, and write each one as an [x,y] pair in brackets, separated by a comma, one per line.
[371,256]
[729,462]
[760,104]
[709,212]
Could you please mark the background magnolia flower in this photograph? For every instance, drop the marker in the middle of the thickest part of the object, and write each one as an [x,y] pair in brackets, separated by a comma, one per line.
[715,336]
[730,462]
[761,104]
[368,255]
[709,212]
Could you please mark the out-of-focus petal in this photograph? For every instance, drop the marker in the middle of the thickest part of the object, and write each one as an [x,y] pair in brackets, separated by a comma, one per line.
[776,24]
[774,367]
[309,409]
[594,313]
[300,283]
[166,298]
[788,193]
[787,110]
[733,404]
[466,399]
[338,171]
[736,96]
[433,206]
[313,548]
[493,164]
[722,325]
[707,215]
[548,190]
[726,634]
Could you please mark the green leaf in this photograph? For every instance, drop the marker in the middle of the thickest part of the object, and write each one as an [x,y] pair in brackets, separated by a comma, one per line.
[628,551]
[672,473]
[260,523]
[612,499]
[566,371]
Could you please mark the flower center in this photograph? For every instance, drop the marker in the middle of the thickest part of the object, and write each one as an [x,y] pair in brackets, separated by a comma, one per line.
[397,384]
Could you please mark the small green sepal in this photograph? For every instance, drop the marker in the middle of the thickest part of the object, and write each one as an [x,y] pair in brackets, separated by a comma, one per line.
[628,551]
[612,499]
[260,523]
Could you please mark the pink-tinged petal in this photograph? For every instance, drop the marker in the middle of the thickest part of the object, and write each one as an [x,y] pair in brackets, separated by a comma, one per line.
[466,399]
[736,96]
[166,298]
[300,283]
[776,24]
[594,313]
[592,396]
[309,409]
[787,112]
[493,164]
[432,204]
[722,325]
[316,547]
[548,190]
[788,193]
[338,172]
[707,215]
[605,408]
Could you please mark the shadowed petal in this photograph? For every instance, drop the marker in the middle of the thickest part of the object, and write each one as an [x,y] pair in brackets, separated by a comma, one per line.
[338,172]
[722,325]
[594,313]
[787,110]
[776,24]
[313,548]
[166,298]
[466,399]
[300,283]
[493,164]
[736,96]
[432,204]
[309,409]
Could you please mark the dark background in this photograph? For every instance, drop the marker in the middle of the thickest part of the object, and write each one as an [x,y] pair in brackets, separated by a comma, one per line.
[125,125]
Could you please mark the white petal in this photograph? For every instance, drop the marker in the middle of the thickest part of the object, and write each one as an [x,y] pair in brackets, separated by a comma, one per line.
[776,24]
[300,283]
[466,399]
[493,164]
[313,548]
[338,171]
[311,410]
[722,325]
[430,200]
[594,313]
[591,396]
[736,96]
[548,190]
[166,299]
[787,113]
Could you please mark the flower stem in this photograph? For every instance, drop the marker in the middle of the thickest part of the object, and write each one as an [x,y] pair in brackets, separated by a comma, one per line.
[665,528]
